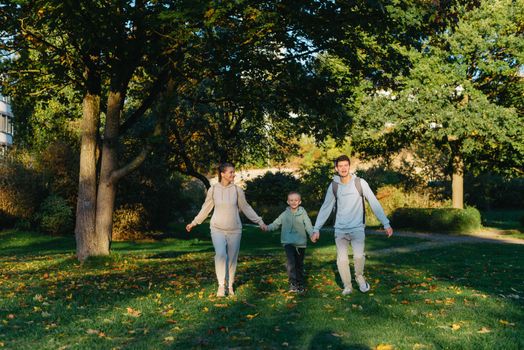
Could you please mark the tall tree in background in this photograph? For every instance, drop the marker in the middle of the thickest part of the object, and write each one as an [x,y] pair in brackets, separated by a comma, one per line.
[463,96]
[98,48]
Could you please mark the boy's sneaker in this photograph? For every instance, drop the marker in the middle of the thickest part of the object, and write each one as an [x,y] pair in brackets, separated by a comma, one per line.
[347,291]
[293,289]
[301,290]
[231,292]
[221,291]
[363,285]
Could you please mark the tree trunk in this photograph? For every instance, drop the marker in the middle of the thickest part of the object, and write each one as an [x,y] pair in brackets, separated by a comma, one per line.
[457,182]
[107,187]
[85,233]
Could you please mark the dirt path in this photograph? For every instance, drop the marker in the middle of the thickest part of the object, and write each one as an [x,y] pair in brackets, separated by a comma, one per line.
[438,240]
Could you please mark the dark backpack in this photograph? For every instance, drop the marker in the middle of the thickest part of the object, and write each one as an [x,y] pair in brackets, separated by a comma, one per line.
[358,185]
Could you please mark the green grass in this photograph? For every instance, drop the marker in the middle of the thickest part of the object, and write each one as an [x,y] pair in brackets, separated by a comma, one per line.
[506,221]
[160,295]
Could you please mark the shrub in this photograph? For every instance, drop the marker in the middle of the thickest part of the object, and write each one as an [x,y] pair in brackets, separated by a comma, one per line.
[55,216]
[21,191]
[129,222]
[437,219]
[392,198]
[268,193]
[489,191]
[271,188]
[416,218]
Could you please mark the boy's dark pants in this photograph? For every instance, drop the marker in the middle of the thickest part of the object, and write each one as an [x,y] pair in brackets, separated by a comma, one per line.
[295,264]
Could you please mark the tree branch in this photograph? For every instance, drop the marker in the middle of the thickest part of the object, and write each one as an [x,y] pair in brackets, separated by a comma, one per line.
[155,89]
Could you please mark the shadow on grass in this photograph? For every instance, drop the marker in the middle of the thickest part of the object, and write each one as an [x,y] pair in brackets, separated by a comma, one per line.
[96,297]
[31,243]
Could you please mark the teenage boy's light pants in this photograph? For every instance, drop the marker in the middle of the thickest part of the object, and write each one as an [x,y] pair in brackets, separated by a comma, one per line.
[342,240]
[226,255]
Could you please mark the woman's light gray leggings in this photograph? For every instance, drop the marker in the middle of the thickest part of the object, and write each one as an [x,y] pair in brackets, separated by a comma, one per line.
[226,246]
[357,243]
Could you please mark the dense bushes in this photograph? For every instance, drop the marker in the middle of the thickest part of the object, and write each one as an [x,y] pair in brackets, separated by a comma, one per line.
[267,194]
[56,216]
[28,179]
[393,197]
[21,190]
[129,222]
[437,219]
[490,191]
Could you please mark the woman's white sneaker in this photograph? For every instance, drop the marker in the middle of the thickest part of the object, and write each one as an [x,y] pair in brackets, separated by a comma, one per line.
[221,291]
[347,291]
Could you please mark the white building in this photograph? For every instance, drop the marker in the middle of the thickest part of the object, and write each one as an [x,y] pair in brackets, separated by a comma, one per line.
[6,124]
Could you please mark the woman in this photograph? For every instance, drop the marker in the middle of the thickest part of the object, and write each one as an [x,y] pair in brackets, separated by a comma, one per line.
[226,228]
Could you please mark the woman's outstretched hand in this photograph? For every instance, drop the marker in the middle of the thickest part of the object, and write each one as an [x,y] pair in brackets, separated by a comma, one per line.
[189,227]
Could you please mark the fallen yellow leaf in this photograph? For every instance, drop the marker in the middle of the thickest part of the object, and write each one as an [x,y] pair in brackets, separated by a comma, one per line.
[455,327]
[133,312]
[484,330]
[250,317]
[506,323]
[384,347]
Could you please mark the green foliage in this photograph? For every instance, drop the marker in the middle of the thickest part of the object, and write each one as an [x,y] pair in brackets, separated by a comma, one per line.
[129,222]
[55,216]
[446,101]
[153,186]
[271,188]
[490,191]
[437,219]
[268,193]
[381,174]
[22,190]
[393,197]
[314,184]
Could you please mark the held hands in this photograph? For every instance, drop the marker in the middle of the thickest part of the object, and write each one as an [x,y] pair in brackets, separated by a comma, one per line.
[314,237]
[263,227]
[389,232]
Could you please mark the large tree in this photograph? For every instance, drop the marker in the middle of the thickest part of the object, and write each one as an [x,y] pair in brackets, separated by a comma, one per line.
[462,96]
[98,48]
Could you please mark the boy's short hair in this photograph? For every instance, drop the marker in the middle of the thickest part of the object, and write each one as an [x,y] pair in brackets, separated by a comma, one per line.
[294,192]
[341,159]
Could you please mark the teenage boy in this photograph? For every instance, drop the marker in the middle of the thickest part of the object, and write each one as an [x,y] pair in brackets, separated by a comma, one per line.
[347,192]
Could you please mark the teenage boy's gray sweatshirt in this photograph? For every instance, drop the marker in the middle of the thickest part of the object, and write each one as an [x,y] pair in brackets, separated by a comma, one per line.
[349,207]
[226,200]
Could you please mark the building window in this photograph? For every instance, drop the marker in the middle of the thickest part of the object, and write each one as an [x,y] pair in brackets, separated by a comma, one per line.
[3,123]
[10,126]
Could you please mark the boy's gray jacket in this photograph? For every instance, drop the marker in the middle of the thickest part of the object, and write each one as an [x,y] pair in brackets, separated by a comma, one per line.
[349,207]
[226,200]
[295,227]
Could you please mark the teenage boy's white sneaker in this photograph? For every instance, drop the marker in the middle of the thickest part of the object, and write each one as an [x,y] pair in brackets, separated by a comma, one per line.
[347,291]
[221,291]
[363,285]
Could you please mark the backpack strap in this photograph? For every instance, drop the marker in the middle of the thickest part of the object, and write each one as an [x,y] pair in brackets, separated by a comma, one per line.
[334,187]
[358,185]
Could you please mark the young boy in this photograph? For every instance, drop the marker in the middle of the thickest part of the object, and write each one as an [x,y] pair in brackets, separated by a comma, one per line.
[296,226]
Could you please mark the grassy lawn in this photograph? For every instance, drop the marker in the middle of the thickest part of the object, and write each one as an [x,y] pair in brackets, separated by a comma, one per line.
[507,221]
[160,295]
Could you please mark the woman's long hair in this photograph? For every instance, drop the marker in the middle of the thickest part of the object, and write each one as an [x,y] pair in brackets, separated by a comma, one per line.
[222,167]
